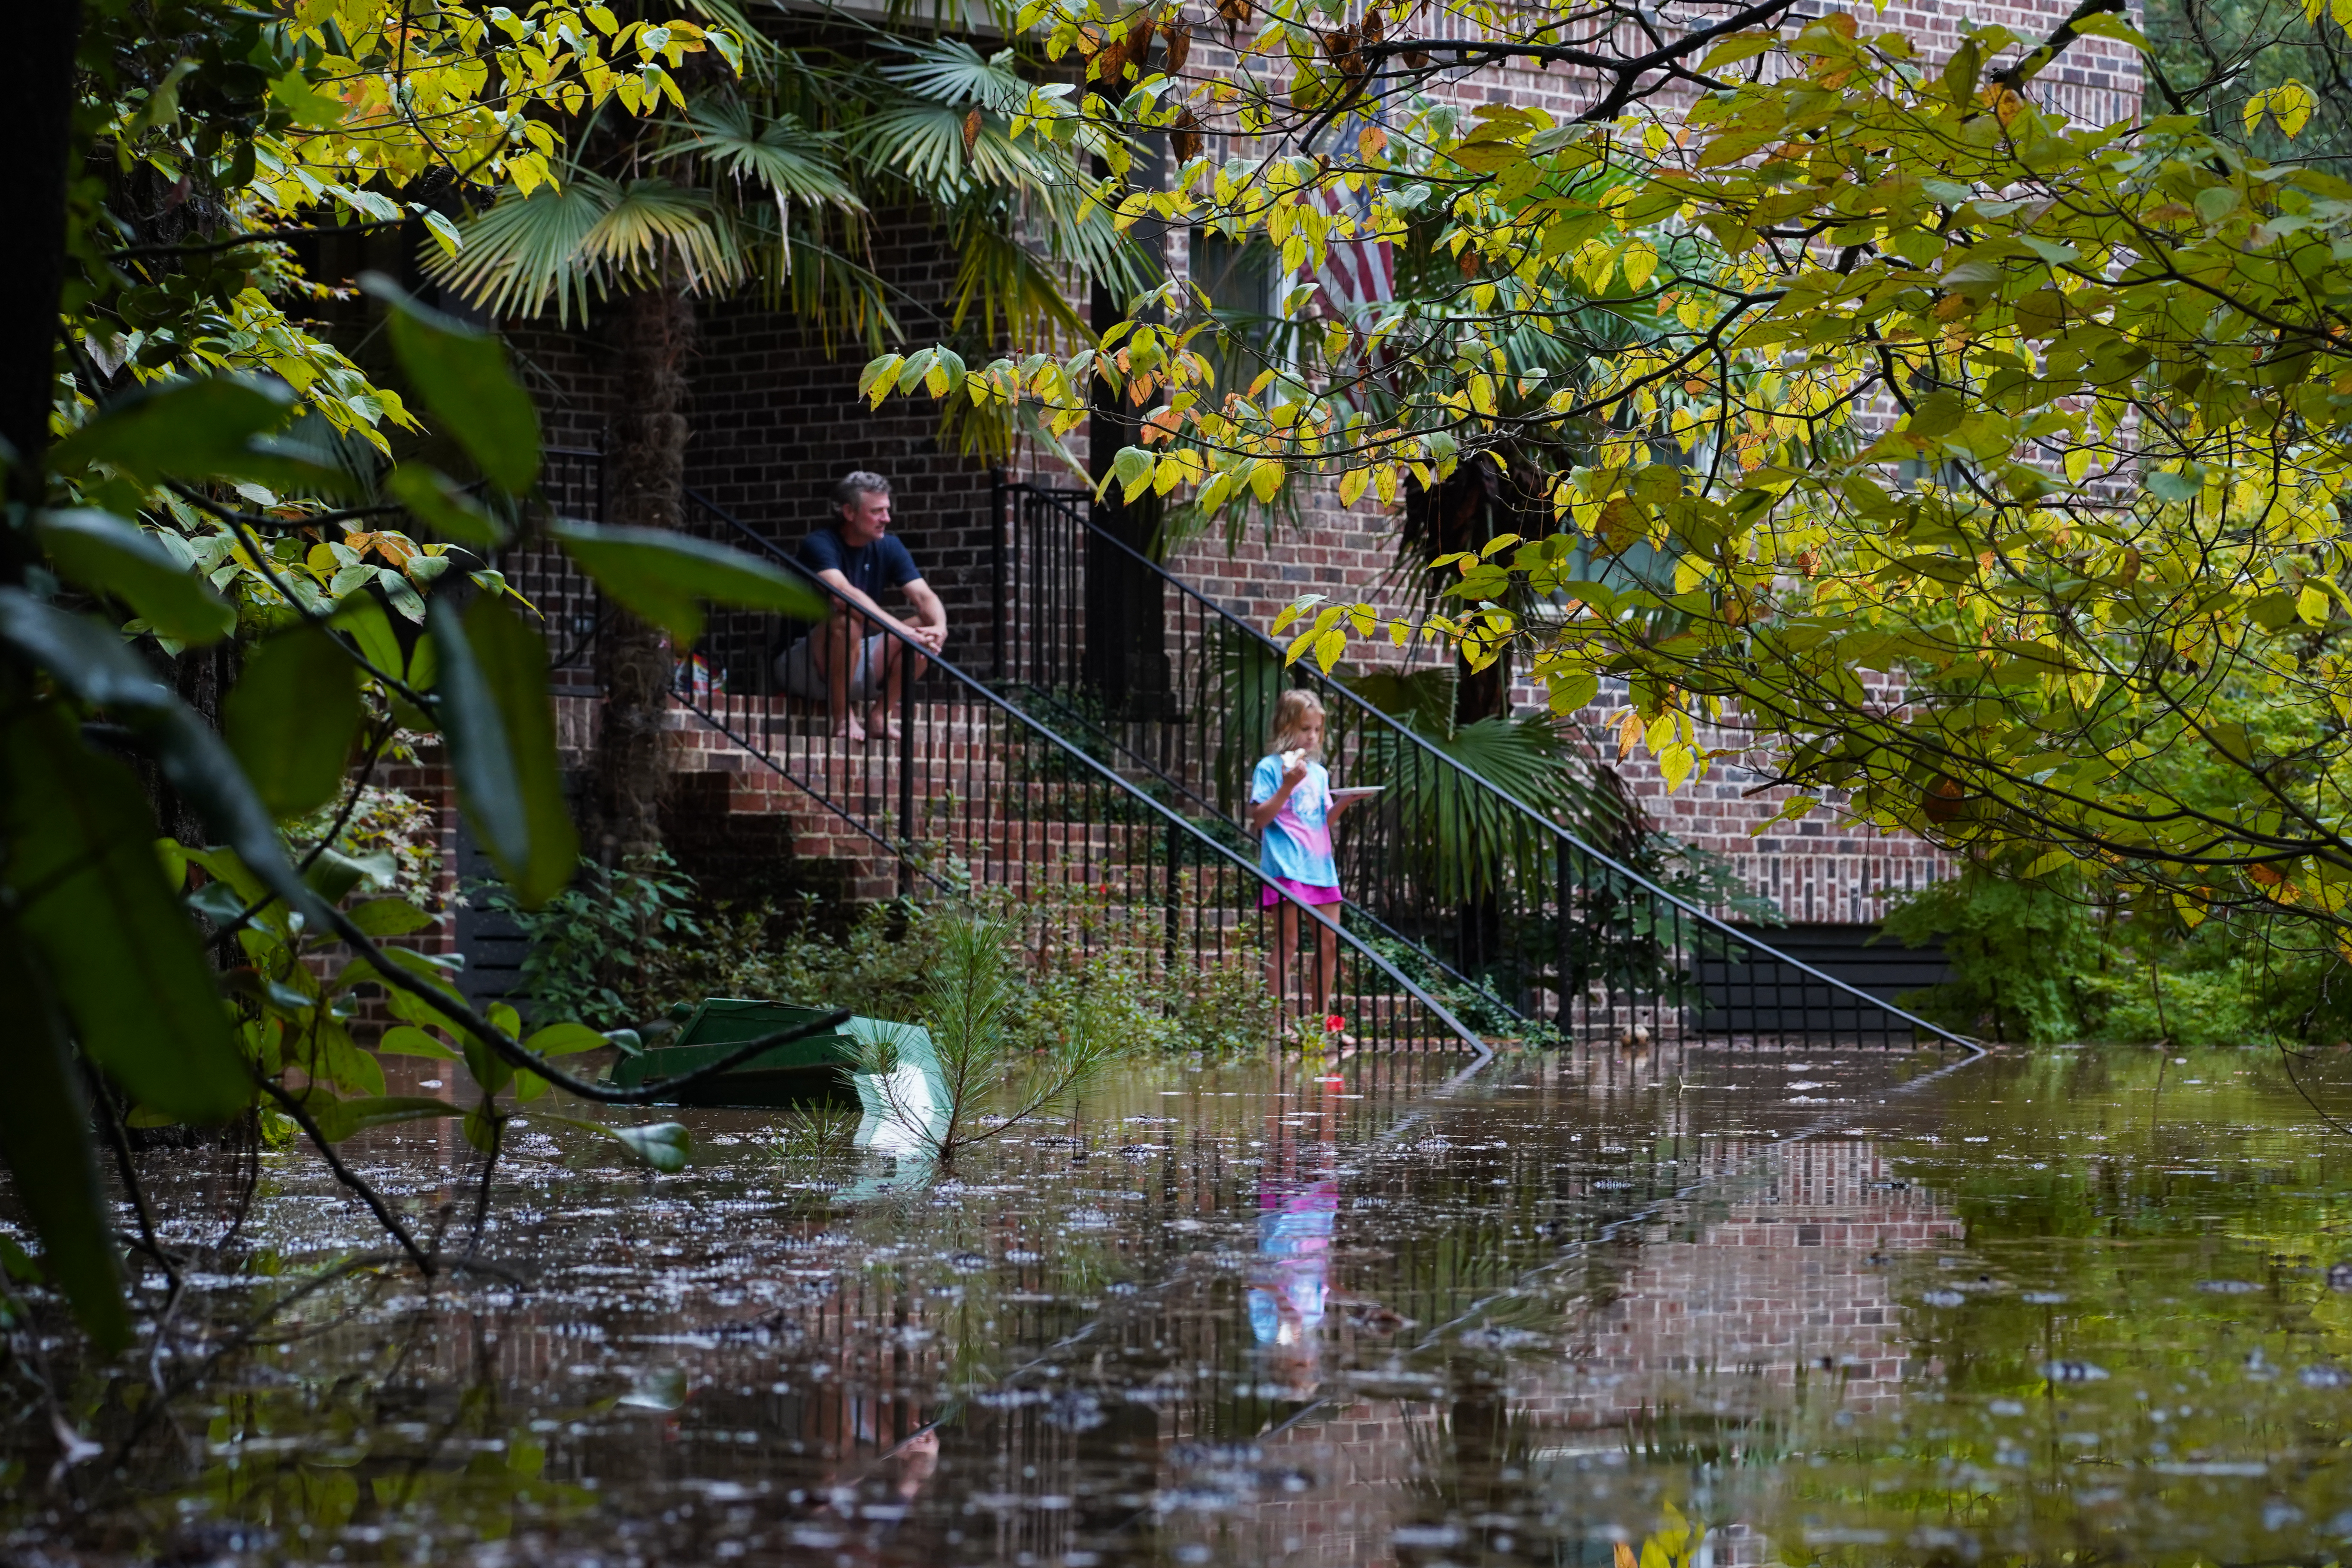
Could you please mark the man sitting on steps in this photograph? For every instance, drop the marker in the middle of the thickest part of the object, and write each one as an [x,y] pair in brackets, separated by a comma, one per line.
[848,661]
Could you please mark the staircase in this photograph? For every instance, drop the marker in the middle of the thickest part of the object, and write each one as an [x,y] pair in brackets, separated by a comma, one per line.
[1097,778]
[1474,888]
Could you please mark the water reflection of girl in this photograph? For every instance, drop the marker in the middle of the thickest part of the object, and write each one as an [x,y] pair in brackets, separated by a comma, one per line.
[1297,1207]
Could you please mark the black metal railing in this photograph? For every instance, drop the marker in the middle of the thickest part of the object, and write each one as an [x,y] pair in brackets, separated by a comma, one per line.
[951,788]
[1493,888]
[1100,772]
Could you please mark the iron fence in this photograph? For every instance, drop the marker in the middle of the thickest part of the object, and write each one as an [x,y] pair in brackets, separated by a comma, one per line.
[1494,891]
[1100,772]
[953,789]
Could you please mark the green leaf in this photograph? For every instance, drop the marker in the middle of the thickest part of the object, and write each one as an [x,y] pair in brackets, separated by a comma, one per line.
[666,578]
[443,508]
[1130,469]
[19,1263]
[360,617]
[291,718]
[1572,690]
[390,917]
[101,553]
[500,727]
[333,874]
[407,1040]
[565,1040]
[1737,48]
[206,428]
[341,1119]
[91,662]
[664,1145]
[461,372]
[89,891]
[481,1126]
[304,104]
[45,1135]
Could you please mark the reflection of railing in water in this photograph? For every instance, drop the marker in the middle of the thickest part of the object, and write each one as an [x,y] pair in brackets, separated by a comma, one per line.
[1464,876]
[972,793]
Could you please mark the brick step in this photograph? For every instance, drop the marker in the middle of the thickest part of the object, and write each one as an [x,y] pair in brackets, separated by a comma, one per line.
[972,799]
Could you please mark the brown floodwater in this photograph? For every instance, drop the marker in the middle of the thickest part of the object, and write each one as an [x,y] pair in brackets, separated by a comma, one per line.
[1710,1306]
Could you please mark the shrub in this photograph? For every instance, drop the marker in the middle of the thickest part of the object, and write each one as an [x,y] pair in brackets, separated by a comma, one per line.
[2043,960]
[599,949]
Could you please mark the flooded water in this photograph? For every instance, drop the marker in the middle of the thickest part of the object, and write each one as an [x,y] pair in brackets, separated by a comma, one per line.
[1707,1307]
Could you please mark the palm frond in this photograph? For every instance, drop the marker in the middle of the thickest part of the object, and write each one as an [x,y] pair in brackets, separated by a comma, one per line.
[1002,282]
[1458,838]
[834,293]
[952,72]
[594,235]
[923,145]
[792,161]
[524,251]
[655,219]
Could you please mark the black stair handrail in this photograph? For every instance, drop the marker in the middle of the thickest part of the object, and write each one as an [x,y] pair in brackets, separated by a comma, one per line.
[1173,821]
[1375,719]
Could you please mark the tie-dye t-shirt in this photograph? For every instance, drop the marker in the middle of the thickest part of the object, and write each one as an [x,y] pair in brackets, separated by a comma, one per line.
[1296,844]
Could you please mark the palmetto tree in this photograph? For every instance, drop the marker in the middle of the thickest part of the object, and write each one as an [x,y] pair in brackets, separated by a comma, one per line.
[765,181]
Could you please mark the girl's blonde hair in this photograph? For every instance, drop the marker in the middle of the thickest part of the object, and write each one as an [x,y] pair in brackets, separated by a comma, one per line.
[1291,711]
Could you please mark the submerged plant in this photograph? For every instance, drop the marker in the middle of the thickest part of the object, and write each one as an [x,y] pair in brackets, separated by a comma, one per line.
[972,1008]
[816,1132]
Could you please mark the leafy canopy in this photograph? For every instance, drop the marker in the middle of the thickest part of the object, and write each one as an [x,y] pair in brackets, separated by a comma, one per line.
[1967,458]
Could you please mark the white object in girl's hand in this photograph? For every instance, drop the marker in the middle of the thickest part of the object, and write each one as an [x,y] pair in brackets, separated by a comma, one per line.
[1293,758]
[1356,792]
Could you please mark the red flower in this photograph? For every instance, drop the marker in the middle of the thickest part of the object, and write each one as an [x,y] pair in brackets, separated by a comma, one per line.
[1334,1023]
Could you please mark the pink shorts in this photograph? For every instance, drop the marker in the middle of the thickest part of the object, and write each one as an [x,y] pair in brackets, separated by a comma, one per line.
[1304,892]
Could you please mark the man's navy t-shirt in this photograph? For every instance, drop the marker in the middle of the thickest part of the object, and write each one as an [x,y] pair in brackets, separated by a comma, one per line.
[885,564]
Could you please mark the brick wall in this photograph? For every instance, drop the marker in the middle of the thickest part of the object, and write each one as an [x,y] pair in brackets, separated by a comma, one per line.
[776,420]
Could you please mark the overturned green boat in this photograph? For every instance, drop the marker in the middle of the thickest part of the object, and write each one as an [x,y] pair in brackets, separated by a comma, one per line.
[888,1070]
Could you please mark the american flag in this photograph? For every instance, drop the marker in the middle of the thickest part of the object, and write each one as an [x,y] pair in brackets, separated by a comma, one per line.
[1356,277]
[1357,273]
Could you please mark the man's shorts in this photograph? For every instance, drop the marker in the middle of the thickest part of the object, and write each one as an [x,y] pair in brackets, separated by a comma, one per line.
[797,671]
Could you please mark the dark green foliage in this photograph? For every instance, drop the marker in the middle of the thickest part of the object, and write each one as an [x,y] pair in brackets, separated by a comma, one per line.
[43,1121]
[2041,962]
[2215,54]
[668,577]
[501,734]
[292,718]
[597,947]
[461,374]
[1456,839]
[2028,961]
[996,1074]
[120,959]
[107,556]
[621,947]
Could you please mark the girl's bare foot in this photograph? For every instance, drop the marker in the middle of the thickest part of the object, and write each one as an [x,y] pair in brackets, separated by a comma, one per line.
[881,728]
[850,729]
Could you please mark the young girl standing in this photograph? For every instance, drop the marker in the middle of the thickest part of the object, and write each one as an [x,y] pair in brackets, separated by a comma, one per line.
[1291,810]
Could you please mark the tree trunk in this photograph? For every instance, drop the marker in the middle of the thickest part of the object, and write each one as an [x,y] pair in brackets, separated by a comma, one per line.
[1463,513]
[646,472]
[35,125]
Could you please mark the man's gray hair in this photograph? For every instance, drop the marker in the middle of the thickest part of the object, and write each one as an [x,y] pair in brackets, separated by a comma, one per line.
[856,483]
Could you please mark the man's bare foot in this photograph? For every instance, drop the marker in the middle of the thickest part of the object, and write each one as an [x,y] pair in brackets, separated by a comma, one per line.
[880,726]
[849,729]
